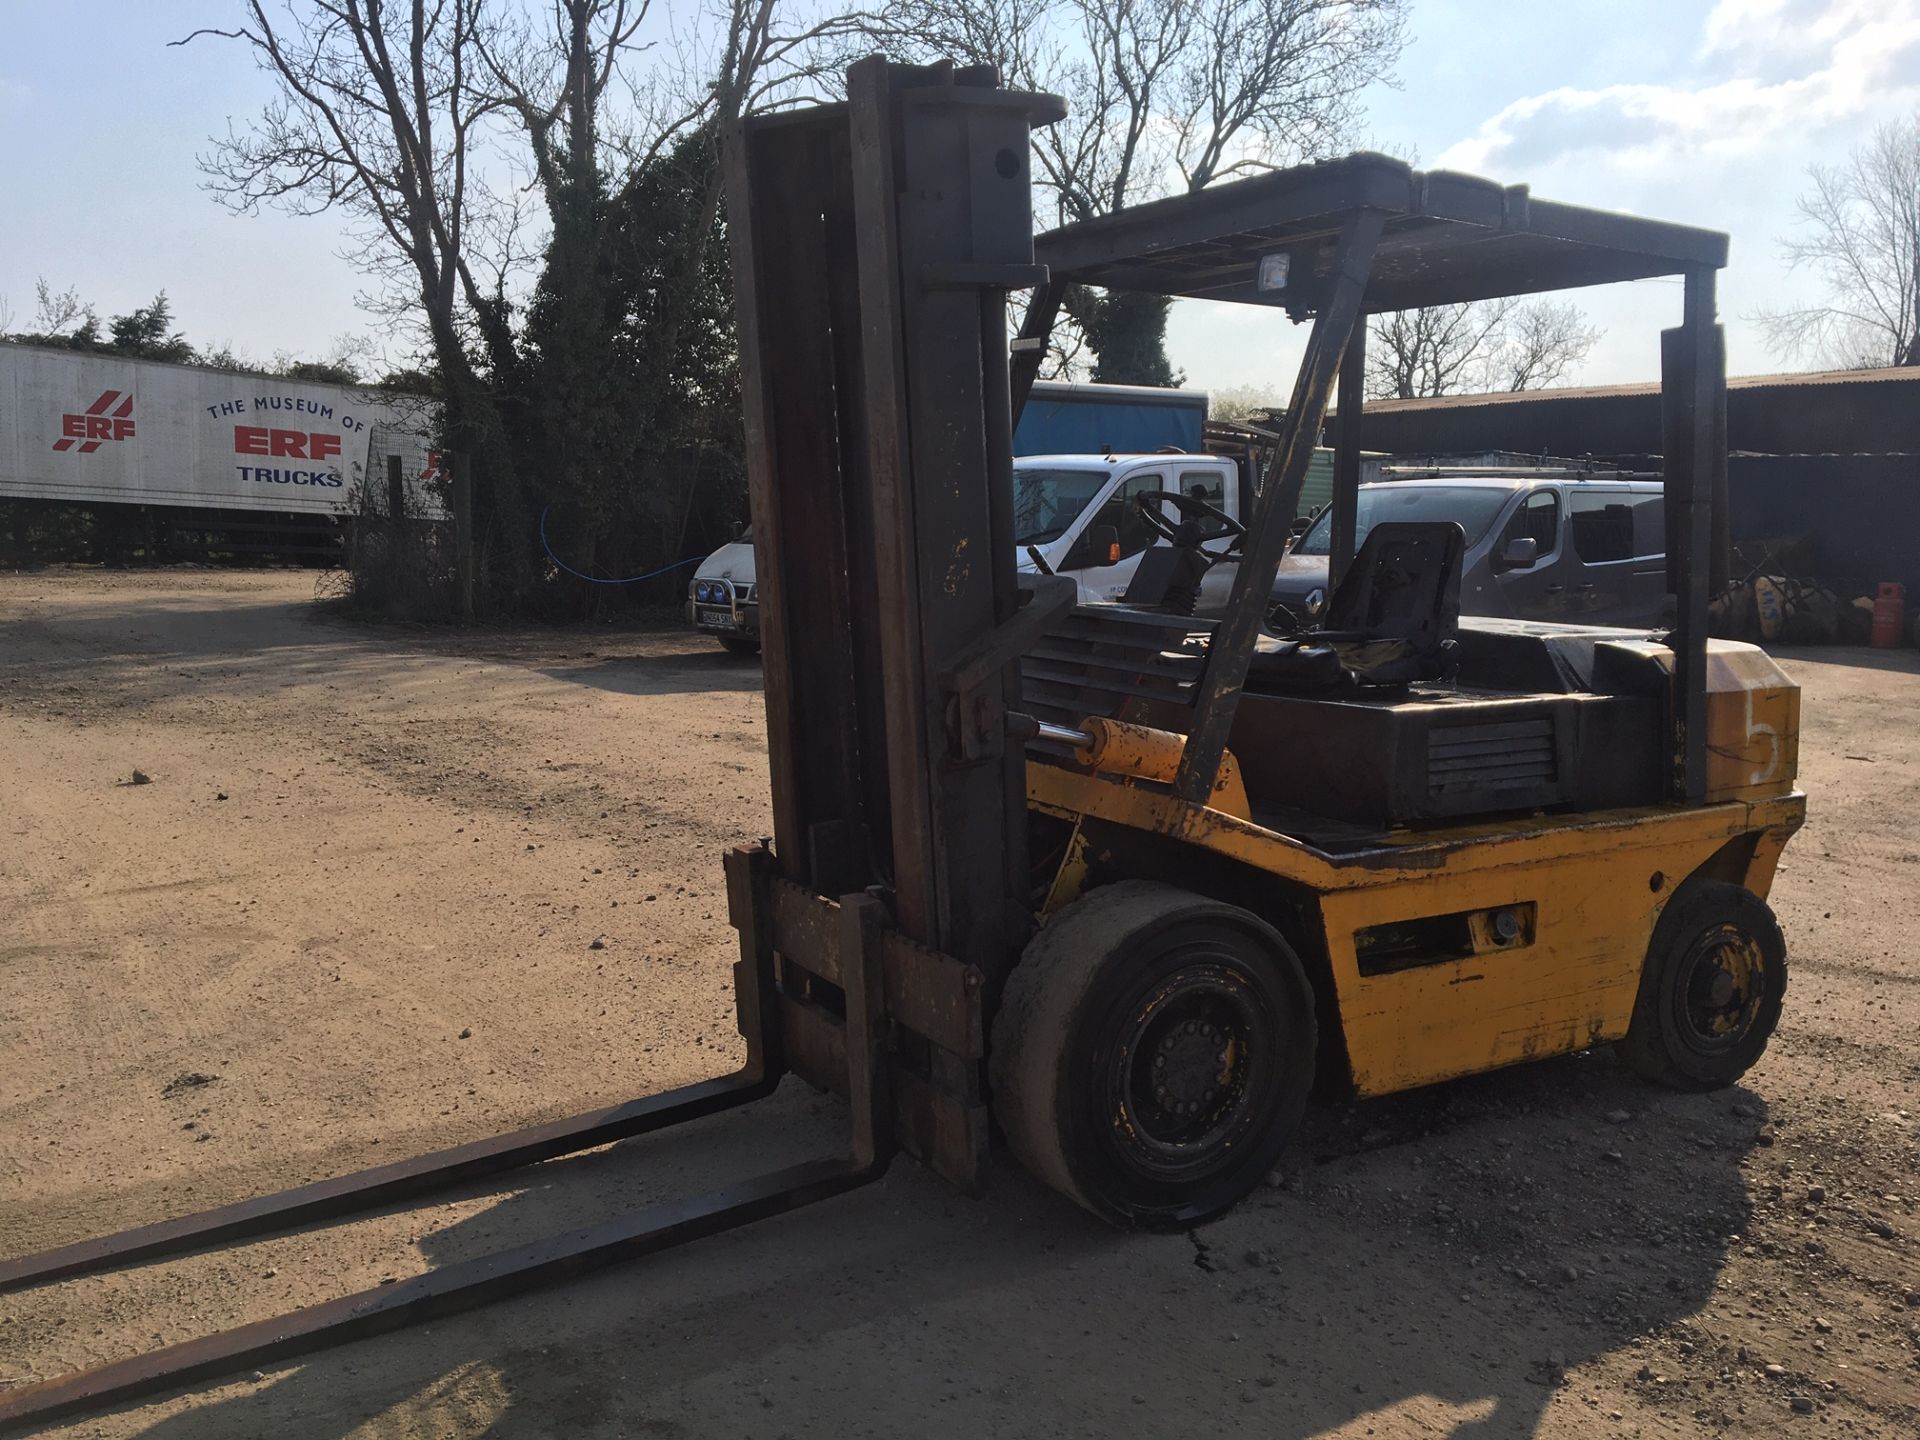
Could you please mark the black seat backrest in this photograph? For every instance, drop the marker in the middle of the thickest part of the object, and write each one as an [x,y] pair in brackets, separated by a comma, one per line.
[1403,585]
[1167,577]
[1151,577]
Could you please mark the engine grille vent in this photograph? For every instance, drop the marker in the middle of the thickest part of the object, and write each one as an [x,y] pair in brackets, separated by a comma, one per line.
[1491,757]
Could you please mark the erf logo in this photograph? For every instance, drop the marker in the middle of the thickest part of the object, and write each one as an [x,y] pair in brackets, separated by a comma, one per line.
[432,472]
[288,444]
[90,429]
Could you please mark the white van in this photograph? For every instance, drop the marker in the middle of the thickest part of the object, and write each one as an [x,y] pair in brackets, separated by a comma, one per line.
[1078,513]
[1072,514]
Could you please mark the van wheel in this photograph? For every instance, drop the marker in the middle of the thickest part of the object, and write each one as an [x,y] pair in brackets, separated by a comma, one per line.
[737,645]
[1152,1054]
[1711,990]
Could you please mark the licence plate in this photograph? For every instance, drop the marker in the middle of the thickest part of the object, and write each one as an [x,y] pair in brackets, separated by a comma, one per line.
[714,619]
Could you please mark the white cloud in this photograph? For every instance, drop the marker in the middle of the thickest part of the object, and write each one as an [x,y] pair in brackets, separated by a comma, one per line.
[1745,100]
[1795,67]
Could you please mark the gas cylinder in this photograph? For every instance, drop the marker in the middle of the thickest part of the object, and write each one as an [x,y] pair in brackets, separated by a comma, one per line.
[1889,609]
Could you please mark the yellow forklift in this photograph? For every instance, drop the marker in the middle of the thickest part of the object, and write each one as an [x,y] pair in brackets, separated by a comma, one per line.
[1117,884]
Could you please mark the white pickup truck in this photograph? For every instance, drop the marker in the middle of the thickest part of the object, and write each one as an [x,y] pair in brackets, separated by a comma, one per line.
[1076,513]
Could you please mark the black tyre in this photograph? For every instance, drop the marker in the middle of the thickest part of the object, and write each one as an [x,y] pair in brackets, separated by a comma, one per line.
[740,645]
[1153,1054]
[1711,991]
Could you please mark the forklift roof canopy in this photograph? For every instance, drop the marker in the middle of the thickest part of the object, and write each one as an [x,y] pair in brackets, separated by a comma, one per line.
[1447,238]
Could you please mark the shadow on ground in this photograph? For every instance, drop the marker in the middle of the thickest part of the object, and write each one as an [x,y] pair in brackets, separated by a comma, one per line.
[1441,1258]
[1903,661]
[669,672]
[158,647]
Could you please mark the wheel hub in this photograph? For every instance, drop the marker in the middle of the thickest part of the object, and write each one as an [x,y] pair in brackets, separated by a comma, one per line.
[1190,1067]
[1723,983]
[1181,1069]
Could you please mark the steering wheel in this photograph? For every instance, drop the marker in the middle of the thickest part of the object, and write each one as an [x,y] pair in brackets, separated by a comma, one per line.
[1192,510]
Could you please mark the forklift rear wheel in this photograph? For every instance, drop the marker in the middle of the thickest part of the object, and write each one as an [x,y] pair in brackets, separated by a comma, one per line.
[1153,1054]
[1711,991]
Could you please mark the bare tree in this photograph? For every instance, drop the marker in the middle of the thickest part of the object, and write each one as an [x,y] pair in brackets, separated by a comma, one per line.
[55,312]
[1861,236]
[378,114]
[1244,402]
[1163,96]
[394,113]
[1432,350]
[1543,341]
[1503,344]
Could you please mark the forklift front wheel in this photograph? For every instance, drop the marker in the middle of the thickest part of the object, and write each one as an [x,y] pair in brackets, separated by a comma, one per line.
[1711,991]
[1153,1053]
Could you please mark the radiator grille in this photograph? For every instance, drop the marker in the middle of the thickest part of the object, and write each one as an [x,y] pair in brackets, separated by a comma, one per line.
[1492,756]
[1094,660]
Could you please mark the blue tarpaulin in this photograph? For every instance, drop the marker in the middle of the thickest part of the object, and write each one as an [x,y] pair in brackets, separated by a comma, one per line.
[1098,419]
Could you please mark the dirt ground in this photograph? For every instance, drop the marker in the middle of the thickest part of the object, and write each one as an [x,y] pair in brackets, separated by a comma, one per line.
[352,917]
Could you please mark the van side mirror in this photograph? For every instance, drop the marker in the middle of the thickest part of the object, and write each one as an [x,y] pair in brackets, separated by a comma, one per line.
[1520,553]
[1097,545]
[739,528]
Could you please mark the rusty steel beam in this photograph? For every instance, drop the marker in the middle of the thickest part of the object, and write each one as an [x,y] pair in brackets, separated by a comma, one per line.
[1346,459]
[1217,693]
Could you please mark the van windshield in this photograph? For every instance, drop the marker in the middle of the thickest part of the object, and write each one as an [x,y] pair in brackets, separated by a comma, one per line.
[1472,507]
[1046,501]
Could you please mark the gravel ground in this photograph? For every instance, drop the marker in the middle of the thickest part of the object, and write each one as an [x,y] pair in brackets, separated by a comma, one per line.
[352,916]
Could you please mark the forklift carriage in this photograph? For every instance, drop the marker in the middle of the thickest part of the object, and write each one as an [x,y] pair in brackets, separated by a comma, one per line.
[1124,883]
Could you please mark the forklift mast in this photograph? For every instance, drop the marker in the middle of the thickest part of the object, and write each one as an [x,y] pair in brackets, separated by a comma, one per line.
[874,243]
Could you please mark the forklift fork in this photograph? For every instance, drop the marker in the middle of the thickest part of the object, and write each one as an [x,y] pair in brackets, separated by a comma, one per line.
[471,1283]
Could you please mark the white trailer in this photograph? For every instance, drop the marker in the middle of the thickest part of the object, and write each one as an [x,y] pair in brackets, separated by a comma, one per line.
[105,430]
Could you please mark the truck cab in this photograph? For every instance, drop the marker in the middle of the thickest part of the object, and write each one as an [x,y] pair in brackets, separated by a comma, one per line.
[1079,515]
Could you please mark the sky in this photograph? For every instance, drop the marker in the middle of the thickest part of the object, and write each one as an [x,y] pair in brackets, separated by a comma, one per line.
[1701,111]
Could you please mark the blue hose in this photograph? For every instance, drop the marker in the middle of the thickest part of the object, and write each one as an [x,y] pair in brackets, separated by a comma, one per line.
[595,579]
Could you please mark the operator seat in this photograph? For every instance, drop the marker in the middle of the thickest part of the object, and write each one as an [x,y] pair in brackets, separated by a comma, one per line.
[1393,619]
[1168,578]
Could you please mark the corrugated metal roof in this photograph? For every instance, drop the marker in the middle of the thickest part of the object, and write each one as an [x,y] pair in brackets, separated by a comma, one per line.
[1897,375]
